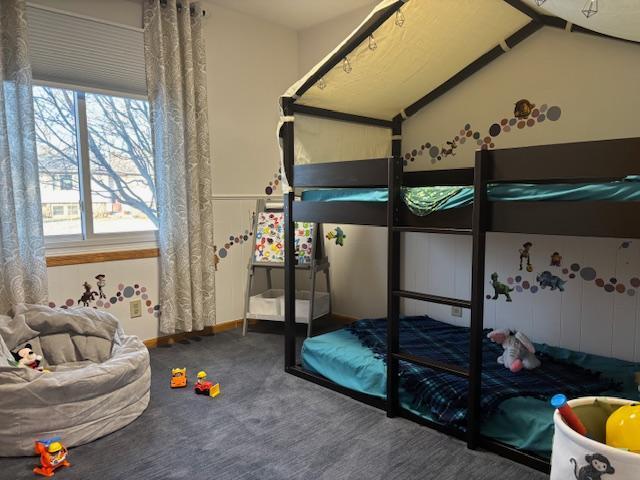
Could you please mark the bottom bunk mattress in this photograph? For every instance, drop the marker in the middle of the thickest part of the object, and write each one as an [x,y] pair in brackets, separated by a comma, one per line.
[523,421]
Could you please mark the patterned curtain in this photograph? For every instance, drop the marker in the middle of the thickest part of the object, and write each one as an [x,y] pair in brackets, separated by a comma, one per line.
[23,269]
[177,86]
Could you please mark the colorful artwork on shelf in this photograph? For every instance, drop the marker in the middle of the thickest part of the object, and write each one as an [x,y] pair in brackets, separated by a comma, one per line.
[269,244]
[525,115]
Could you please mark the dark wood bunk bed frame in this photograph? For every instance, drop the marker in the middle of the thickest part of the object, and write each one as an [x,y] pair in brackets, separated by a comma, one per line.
[561,163]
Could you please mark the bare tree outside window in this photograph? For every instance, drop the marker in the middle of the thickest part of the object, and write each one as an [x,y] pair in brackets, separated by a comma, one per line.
[120,160]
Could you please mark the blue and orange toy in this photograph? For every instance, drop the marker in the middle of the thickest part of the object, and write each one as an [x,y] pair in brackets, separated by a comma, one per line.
[53,455]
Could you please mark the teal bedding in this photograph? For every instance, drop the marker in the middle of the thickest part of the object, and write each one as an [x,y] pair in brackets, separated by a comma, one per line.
[523,422]
[424,200]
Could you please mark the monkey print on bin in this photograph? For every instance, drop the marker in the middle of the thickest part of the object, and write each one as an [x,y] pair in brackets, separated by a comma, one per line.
[597,466]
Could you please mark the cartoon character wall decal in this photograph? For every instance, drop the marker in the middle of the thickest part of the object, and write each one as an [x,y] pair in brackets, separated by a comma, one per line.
[547,279]
[88,295]
[338,234]
[500,288]
[523,109]
[556,260]
[525,254]
[449,149]
[597,466]
[101,283]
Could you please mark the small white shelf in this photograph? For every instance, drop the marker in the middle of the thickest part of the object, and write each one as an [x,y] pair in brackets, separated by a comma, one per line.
[269,305]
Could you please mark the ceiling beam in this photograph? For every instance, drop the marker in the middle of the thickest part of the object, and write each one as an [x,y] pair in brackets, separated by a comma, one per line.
[473,67]
[528,10]
[556,22]
[368,28]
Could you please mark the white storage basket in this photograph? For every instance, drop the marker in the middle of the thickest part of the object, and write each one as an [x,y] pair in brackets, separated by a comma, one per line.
[574,455]
[269,305]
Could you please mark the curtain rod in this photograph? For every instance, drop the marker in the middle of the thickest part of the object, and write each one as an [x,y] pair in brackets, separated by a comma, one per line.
[192,9]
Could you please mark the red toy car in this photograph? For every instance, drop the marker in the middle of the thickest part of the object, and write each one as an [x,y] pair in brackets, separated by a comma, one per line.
[203,388]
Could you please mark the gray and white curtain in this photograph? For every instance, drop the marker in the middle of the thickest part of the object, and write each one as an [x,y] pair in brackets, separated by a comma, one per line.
[23,269]
[177,87]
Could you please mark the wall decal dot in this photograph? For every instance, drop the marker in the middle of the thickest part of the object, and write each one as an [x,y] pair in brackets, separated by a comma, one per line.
[613,280]
[541,118]
[268,190]
[135,285]
[506,129]
[463,140]
[635,282]
[120,286]
[138,292]
[534,288]
[476,135]
[407,156]
[518,278]
[492,145]
[433,160]
[414,152]
[487,139]
[518,289]
[525,285]
[512,121]
[69,302]
[222,253]
[521,124]
[631,292]
[52,305]
[113,300]
[143,289]
[587,273]
[575,267]
[572,275]
[99,303]
[107,305]
[531,122]
[620,288]
[609,288]
[565,270]
[148,303]
[554,113]
[439,157]
[434,151]
[625,244]
[150,310]
[128,292]
[535,112]
[488,297]
[121,299]
[469,133]
[467,126]
[543,108]
[510,281]
[156,307]
[156,314]
[118,294]
[479,142]
[504,121]
[600,282]
[461,132]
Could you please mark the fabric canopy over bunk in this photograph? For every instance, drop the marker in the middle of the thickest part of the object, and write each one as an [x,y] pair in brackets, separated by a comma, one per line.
[402,56]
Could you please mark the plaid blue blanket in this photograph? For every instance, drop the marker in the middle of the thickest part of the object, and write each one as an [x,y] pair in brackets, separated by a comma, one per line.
[445,395]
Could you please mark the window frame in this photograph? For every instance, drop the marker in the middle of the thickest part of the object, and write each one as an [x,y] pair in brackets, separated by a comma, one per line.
[88,240]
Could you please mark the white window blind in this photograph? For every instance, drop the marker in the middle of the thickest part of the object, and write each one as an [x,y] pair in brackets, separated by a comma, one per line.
[83,52]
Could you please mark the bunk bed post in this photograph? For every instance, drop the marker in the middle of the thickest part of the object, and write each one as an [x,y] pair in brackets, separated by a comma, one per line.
[393,267]
[479,226]
[286,133]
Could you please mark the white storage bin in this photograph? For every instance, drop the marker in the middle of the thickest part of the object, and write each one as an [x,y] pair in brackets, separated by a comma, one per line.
[269,305]
[575,455]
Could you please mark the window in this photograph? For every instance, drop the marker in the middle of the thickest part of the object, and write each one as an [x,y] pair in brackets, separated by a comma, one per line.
[95,159]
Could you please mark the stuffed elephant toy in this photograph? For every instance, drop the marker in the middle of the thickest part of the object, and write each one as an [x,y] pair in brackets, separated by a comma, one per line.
[519,352]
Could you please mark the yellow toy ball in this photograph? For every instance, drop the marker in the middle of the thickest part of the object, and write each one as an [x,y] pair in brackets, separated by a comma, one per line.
[623,428]
[202,374]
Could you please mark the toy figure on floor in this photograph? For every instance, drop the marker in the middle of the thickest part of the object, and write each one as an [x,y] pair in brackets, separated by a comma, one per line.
[525,254]
[500,288]
[519,352]
[556,260]
[338,234]
[101,283]
[88,295]
[547,279]
[53,455]
[25,357]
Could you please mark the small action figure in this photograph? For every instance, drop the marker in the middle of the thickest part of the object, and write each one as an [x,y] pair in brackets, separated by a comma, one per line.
[525,254]
[101,283]
[53,455]
[500,288]
[556,260]
[178,377]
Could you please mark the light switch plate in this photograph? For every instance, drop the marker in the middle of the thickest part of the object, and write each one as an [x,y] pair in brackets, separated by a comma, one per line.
[135,308]
[456,311]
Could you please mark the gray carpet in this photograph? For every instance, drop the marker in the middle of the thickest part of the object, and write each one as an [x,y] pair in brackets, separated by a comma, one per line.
[265,425]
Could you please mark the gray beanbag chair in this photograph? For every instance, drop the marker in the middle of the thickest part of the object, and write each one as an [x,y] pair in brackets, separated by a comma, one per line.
[99,377]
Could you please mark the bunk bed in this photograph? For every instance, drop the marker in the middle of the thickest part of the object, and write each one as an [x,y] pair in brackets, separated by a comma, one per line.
[562,189]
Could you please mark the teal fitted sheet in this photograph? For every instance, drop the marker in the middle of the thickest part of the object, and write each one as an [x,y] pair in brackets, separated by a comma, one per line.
[420,202]
[523,422]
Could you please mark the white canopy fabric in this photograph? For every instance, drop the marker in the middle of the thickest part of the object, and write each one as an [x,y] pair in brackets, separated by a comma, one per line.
[437,39]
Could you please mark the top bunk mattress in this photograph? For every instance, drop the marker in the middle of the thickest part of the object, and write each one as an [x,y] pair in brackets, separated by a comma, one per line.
[425,200]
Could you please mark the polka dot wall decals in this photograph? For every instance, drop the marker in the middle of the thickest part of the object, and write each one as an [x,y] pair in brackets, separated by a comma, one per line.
[273,184]
[525,116]
[222,252]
